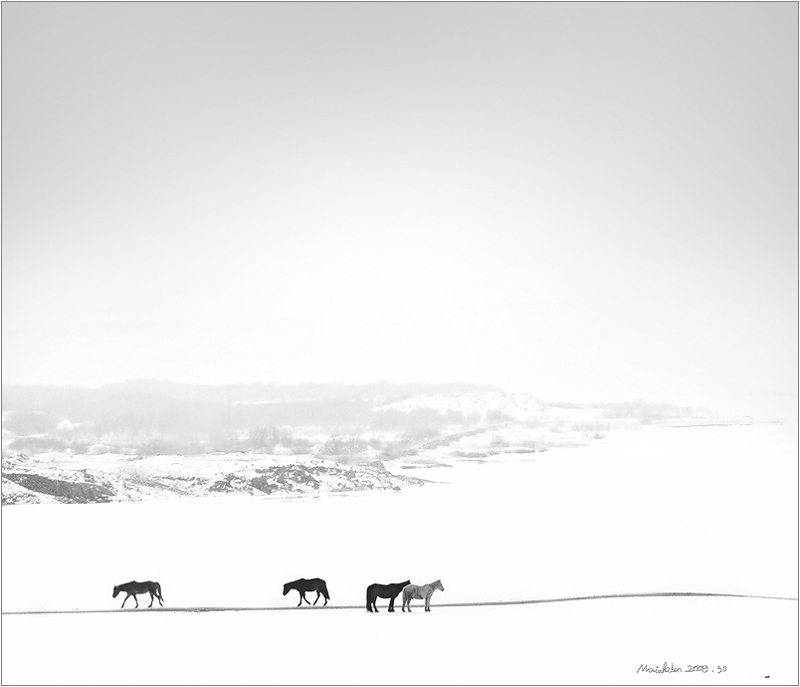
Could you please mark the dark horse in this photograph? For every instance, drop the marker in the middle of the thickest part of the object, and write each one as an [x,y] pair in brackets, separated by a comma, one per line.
[134,588]
[303,585]
[384,591]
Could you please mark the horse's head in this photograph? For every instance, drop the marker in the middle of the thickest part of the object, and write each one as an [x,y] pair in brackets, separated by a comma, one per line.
[406,582]
[438,585]
[116,591]
[286,588]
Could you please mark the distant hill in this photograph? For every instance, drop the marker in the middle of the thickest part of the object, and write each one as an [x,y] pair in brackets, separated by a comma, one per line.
[173,417]
[149,417]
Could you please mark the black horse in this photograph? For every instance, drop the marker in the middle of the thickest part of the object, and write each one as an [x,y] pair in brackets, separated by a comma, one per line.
[303,585]
[134,588]
[384,591]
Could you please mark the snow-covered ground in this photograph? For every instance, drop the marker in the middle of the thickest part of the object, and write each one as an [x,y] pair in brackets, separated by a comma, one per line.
[699,509]
[596,642]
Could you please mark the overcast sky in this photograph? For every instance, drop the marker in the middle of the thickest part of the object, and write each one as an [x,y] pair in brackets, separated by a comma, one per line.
[584,201]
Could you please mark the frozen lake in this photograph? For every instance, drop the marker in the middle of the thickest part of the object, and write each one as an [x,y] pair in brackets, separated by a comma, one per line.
[707,509]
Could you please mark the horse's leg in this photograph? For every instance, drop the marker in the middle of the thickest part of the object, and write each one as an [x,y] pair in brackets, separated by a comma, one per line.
[124,600]
[391,604]
[302,596]
[136,600]
[152,599]
[317,599]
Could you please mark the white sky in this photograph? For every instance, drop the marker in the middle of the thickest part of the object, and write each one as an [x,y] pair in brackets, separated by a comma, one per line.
[578,200]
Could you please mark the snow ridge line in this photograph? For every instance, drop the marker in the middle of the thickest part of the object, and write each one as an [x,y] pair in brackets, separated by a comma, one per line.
[218,609]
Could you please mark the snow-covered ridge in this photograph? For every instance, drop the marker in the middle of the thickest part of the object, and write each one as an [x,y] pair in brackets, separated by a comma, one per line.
[518,407]
[64,478]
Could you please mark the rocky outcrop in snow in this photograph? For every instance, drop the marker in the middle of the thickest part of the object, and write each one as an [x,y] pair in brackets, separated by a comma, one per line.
[64,478]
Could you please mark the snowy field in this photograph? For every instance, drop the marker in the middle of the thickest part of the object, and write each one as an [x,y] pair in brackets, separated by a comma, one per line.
[705,509]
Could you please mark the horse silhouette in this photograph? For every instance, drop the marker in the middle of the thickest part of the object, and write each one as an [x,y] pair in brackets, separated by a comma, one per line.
[303,585]
[412,591]
[134,588]
[384,591]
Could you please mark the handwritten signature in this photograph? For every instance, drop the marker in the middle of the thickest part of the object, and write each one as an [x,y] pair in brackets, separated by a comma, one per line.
[671,668]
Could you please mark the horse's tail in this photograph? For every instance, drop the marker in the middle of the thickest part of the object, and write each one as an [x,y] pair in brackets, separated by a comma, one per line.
[158,589]
[368,600]
[324,591]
